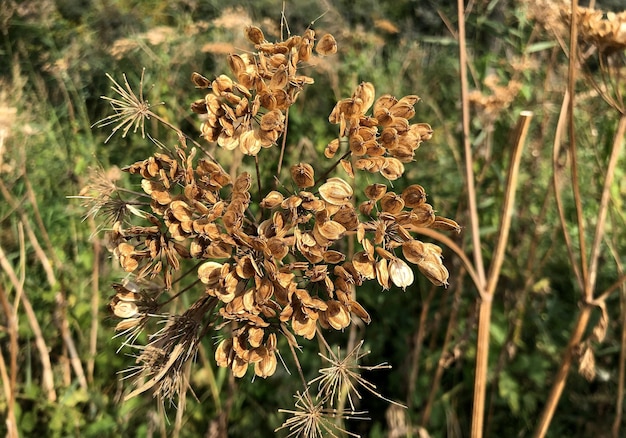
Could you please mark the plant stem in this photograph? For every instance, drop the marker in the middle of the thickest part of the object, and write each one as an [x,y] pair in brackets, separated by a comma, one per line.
[561,376]
[486,297]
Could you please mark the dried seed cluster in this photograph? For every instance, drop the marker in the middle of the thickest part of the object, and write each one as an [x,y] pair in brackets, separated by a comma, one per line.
[383,141]
[280,267]
[249,112]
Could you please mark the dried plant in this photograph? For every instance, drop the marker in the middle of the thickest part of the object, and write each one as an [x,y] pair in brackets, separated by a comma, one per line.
[265,263]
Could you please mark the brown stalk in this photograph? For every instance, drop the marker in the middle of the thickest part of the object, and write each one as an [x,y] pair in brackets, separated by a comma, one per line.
[10,382]
[587,287]
[95,301]
[486,295]
[469,163]
[40,342]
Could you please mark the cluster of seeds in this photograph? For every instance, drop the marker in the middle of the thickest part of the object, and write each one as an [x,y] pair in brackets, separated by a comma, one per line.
[281,267]
[249,112]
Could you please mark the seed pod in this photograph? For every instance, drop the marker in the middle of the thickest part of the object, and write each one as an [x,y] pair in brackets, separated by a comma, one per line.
[336,191]
[200,81]
[392,169]
[254,35]
[443,223]
[303,175]
[326,45]
[273,199]
[400,273]
[331,148]
[391,203]
[414,195]
[375,191]
[367,93]
[337,315]
[414,251]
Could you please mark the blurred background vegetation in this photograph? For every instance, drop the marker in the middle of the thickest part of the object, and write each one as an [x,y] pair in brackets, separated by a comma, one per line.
[55,272]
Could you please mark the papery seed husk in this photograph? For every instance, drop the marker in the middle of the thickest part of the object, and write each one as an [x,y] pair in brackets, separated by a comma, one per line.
[433,269]
[336,191]
[423,215]
[333,257]
[360,311]
[400,273]
[337,315]
[363,265]
[375,191]
[254,34]
[392,169]
[326,45]
[414,195]
[347,167]
[382,105]
[443,223]
[391,203]
[331,148]
[249,143]
[382,273]
[367,93]
[303,175]
[414,251]
[272,199]
[200,81]
[422,130]
[331,230]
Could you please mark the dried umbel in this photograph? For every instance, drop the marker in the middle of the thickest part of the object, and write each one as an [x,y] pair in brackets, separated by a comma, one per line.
[270,262]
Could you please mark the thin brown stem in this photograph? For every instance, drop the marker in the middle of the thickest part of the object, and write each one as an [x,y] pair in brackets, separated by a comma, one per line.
[10,381]
[604,202]
[561,376]
[469,162]
[575,180]
[283,145]
[486,298]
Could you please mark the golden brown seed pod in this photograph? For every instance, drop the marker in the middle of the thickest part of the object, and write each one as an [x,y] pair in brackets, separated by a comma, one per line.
[391,203]
[414,195]
[423,215]
[443,223]
[375,191]
[363,265]
[382,105]
[337,315]
[249,143]
[367,93]
[422,130]
[333,257]
[433,269]
[279,79]
[303,175]
[272,120]
[414,251]
[200,81]
[336,191]
[273,199]
[266,367]
[326,45]
[331,230]
[367,207]
[392,169]
[254,35]
[382,273]
[359,311]
[331,148]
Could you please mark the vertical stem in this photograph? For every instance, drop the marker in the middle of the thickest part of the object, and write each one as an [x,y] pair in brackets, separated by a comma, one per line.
[604,201]
[486,298]
[469,162]
[561,376]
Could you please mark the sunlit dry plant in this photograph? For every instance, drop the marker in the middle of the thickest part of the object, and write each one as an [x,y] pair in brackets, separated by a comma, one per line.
[267,265]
